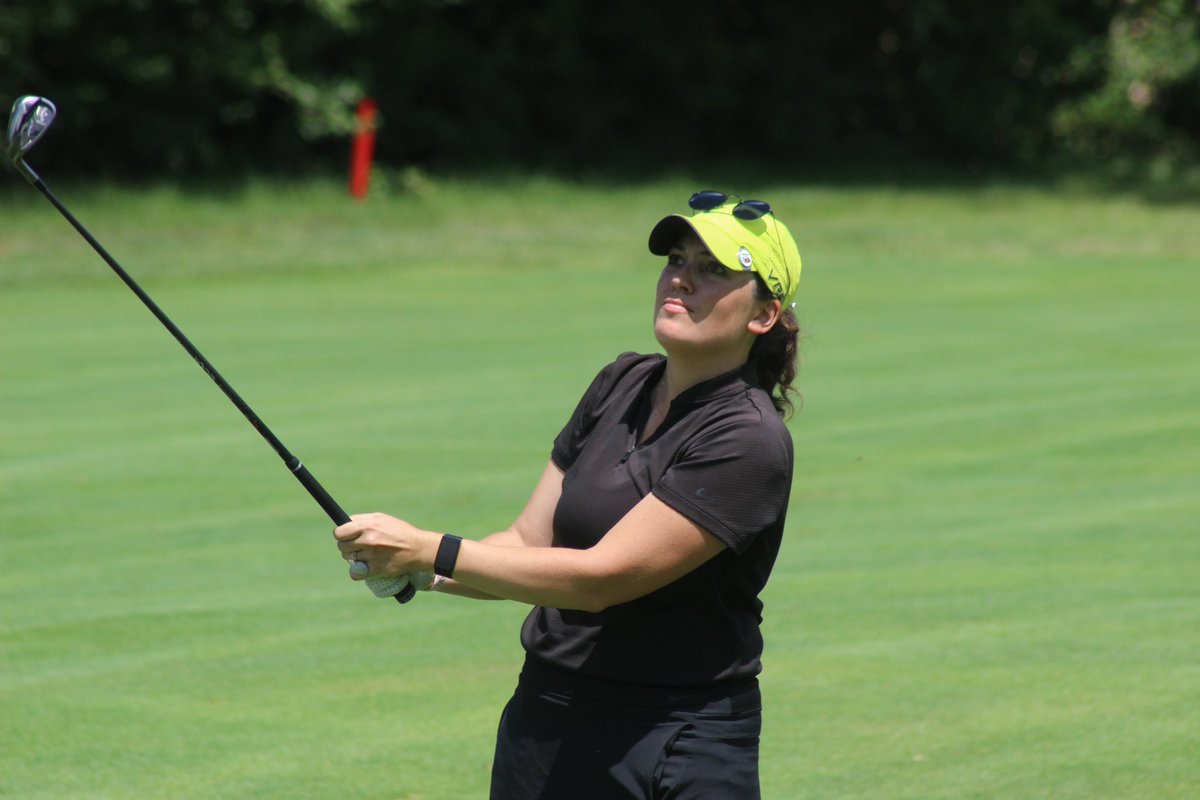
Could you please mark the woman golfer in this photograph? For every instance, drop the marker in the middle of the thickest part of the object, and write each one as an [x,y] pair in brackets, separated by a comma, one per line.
[648,538]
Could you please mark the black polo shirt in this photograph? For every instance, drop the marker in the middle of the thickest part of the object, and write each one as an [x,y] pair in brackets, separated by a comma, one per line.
[723,459]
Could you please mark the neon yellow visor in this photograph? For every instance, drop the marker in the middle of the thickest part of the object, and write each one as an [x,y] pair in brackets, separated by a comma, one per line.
[763,244]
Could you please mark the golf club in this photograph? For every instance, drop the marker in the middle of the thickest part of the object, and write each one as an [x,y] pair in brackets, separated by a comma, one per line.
[30,119]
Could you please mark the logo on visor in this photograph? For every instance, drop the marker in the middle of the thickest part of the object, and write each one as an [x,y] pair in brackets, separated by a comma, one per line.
[745,259]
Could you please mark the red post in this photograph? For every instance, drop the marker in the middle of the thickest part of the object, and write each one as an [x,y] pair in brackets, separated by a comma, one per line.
[363,149]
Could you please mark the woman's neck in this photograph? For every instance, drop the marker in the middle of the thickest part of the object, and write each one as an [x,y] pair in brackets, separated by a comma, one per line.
[679,376]
[682,373]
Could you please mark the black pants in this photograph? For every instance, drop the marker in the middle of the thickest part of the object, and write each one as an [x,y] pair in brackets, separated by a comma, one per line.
[574,738]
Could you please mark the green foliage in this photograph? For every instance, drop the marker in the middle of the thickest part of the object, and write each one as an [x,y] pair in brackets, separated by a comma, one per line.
[977,81]
[1147,103]
[587,83]
[193,87]
[179,86]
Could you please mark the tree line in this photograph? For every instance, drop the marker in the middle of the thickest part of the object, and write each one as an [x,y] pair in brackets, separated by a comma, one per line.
[210,87]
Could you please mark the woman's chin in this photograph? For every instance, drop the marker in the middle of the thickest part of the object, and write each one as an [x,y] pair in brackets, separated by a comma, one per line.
[664,330]
[669,336]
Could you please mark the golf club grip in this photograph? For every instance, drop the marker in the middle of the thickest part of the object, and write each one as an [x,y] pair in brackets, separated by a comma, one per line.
[339,517]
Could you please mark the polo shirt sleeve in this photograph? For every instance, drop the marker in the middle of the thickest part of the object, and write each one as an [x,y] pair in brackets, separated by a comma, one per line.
[733,479]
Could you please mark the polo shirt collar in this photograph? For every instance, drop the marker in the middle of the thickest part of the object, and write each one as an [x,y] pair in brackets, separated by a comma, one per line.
[728,383]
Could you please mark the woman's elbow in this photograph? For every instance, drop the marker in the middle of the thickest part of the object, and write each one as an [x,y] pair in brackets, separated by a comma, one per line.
[594,602]
[600,583]
[587,595]
[605,591]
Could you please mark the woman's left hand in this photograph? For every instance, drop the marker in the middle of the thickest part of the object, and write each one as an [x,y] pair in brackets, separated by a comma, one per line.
[388,546]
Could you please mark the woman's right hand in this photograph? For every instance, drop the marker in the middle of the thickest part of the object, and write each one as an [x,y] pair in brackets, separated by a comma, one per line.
[389,546]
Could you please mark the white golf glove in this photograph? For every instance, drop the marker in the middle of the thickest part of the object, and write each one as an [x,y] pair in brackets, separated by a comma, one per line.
[388,587]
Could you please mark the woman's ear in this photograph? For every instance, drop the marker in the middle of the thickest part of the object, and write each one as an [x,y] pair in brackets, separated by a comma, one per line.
[766,317]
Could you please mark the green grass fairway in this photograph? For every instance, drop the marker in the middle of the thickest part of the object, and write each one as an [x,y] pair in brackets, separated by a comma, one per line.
[990,586]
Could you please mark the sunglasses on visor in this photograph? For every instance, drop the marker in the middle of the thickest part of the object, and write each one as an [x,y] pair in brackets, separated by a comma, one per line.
[745,209]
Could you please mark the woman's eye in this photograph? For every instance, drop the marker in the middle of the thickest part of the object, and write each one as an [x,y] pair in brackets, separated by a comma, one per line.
[675,260]
[716,269]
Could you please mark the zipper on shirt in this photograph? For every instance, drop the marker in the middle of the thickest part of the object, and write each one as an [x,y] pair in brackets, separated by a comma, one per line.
[644,414]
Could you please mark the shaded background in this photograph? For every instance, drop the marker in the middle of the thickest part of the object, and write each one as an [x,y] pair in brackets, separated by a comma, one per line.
[218,87]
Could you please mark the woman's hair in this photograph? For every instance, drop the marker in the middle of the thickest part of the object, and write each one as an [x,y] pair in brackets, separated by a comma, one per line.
[775,356]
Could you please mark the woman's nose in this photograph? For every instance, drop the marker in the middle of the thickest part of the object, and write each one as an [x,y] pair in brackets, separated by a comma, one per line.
[682,279]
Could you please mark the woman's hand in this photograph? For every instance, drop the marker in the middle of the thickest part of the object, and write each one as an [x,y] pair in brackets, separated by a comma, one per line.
[388,546]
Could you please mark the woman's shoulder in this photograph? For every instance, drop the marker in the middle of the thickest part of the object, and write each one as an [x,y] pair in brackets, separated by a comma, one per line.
[744,422]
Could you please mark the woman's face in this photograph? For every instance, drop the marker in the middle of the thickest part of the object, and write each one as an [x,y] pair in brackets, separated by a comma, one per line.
[702,305]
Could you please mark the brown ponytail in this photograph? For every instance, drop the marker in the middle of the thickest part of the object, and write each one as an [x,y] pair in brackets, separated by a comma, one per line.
[775,357]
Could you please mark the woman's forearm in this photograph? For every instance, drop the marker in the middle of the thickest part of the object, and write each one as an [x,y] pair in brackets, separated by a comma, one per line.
[457,589]
[649,548]
[542,576]
[508,538]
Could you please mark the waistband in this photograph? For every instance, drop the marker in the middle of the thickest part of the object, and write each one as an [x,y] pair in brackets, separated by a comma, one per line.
[729,697]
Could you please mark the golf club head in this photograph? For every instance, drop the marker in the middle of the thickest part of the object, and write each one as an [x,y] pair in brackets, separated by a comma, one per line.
[30,119]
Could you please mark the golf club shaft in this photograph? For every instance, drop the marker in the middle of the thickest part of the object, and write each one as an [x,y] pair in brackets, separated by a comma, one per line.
[327,503]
